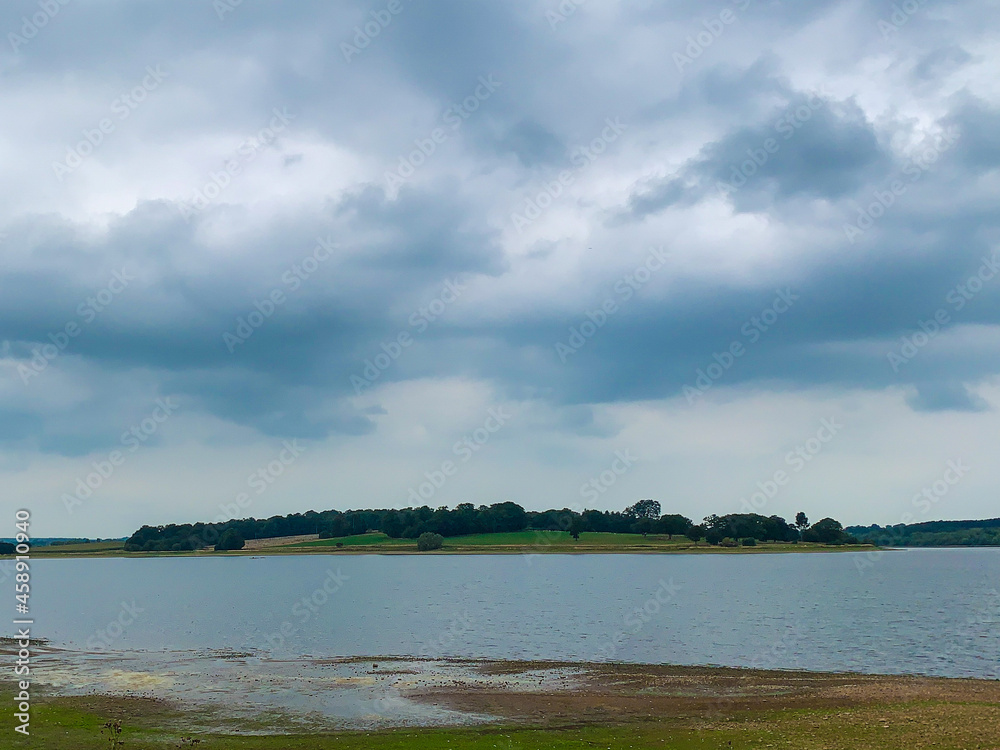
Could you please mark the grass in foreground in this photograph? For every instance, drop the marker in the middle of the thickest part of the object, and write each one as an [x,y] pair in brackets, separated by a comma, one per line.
[60,724]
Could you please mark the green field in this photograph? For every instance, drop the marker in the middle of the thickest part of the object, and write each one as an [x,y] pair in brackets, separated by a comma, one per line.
[64,723]
[544,541]
[517,542]
[538,541]
[562,538]
[510,539]
[86,548]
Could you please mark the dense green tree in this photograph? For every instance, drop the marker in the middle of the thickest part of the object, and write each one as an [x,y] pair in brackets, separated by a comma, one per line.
[673,524]
[826,531]
[644,509]
[231,539]
[695,533]
[575,526]
[643,526]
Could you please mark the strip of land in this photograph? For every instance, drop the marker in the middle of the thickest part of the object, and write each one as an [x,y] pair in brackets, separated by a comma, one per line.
[518,542]
[551,705]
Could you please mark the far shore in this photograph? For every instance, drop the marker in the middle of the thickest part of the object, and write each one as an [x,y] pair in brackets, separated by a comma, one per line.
[524,543]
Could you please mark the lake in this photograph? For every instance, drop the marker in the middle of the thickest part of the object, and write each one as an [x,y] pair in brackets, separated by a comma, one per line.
[926,611]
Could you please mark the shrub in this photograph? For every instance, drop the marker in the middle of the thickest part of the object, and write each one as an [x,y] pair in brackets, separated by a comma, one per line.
[429,540]
[231,539]
[727,542]
[340,544]
[749,542]
[326,534]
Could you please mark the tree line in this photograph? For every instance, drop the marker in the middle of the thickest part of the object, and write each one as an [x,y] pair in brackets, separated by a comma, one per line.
[932,534]
[644,517]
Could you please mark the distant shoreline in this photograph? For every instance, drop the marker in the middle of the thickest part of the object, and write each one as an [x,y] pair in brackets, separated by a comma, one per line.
[801,549]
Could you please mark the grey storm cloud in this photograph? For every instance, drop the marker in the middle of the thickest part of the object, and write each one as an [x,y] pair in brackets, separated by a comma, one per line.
[740,132]
[807,147]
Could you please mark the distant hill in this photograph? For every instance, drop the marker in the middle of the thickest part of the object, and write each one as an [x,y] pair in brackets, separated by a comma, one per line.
[49,541]
[983,533]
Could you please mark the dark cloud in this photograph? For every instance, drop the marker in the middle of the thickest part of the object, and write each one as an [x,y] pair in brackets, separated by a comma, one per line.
[945,396]
[809,147]
[794,156]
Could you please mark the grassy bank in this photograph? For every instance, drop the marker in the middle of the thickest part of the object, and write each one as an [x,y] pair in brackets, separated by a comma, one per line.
[789,710]
[520,542]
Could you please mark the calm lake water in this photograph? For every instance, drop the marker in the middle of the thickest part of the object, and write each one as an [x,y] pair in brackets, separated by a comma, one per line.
[916,611]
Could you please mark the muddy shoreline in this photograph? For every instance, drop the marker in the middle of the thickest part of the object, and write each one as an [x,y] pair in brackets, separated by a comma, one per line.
[226,690]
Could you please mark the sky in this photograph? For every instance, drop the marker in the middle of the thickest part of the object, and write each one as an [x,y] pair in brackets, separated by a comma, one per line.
[262,258]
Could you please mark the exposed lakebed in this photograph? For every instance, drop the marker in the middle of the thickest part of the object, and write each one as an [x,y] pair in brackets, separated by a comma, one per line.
[297,634]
